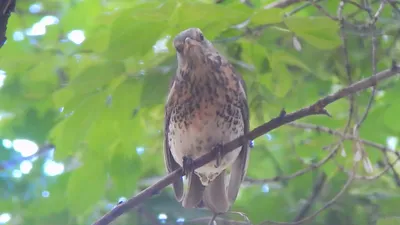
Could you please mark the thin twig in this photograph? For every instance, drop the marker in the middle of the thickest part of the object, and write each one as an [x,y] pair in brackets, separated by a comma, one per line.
[317,188]
[373,177]
[394,5]
[396,176]
[322,10]
[393,43]
[343,37]
[360,7]
[378,12]
[293,148]
[327,205]
[327,130]
[365,8]
[314,166]
[297,9]
[382,148]
[282,4]
[360,150]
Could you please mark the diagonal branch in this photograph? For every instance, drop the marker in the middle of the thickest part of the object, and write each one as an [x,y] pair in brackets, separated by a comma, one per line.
[317,188]
[380,147]
[318,108]
[327,205]
[6,8]
[314,166]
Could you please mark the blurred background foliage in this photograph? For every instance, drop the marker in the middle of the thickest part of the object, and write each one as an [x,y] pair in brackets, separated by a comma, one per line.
[91,78]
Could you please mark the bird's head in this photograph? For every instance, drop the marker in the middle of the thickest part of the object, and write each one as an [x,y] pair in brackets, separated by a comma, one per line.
[191,46]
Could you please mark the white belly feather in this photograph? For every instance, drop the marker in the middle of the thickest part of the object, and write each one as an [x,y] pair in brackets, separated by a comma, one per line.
[199,138]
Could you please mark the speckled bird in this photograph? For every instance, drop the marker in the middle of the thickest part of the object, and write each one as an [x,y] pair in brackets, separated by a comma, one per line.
[206,107]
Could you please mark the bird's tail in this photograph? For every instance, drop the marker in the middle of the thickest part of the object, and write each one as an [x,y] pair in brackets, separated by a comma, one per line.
[215,197]
[194,193]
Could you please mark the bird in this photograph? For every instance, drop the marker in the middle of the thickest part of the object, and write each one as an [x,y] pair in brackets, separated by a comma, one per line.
[206,107]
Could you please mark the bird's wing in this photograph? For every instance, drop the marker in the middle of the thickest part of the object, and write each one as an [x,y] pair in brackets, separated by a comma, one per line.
[239,167]
[169,161]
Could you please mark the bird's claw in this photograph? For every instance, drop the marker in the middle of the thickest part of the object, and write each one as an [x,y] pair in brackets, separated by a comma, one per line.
[187,165]
[201,204]
[251,144]
[218,158]
[120,202]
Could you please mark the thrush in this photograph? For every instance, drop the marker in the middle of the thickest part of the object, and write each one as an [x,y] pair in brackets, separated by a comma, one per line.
[206,107]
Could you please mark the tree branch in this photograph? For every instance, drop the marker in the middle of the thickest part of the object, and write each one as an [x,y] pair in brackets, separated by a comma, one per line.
[318,108]
[317,188]
[297,173]
[380,147]
[327,205]
[6,7]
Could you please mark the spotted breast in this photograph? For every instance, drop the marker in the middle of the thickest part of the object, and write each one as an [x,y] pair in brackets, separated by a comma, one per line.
[205,116]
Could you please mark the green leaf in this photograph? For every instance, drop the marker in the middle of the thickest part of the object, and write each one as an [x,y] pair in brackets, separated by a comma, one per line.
[123,113]
[265,204]
[391,117]
[81,15]
[269,16]
[69,134]
[55,202]
[97,41]
[125,99]
[279,80]
[388,202]
[137,38]
[260,156]
[160,83]
[288,59]
[115,83]
[123,34]
[255,54]
[196,14]
[86,185]
[388,221]
[131,132]
[125,170]
[320,32]
[34,126]
[62,96]
[103,133]
[117,121]
[95,77]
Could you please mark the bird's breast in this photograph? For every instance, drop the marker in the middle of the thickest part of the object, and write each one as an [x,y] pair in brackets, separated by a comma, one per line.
[197,126]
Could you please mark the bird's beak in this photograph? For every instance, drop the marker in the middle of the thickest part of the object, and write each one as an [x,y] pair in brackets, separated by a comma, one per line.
[191,43]
[179,45]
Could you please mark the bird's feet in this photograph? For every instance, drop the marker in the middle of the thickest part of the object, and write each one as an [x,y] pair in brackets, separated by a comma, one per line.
[187,165]
[218,148]
[251,144]
[201,204]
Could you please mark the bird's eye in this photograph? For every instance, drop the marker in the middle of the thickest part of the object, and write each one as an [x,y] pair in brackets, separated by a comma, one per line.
[201,37]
